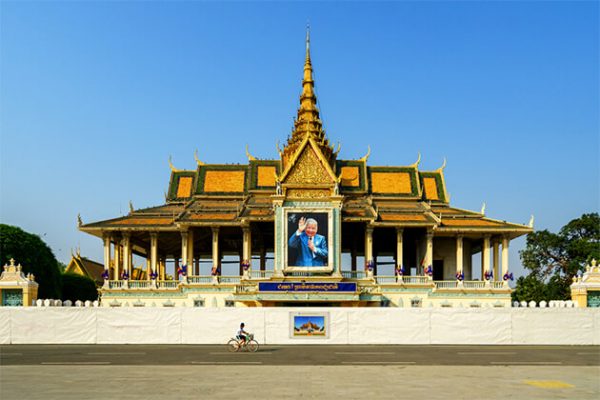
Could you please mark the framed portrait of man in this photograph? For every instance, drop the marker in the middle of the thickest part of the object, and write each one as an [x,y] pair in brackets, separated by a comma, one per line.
[309,236]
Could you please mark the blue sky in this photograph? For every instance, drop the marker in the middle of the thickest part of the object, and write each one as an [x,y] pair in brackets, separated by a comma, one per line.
[95,96]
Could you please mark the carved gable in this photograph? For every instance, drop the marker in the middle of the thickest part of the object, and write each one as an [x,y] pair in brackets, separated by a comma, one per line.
[308,170]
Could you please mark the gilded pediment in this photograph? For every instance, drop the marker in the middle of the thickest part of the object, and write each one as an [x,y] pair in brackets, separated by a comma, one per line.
[309,169]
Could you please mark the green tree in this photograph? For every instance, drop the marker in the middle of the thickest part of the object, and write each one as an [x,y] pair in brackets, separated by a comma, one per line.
[530,288]
[78,287]
[555,258]
[564,253]
[34,255]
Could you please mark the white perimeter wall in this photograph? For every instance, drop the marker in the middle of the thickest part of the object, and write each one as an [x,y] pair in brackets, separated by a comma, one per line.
[564,326]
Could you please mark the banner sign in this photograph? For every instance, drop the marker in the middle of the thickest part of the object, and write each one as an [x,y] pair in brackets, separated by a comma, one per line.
[307,287]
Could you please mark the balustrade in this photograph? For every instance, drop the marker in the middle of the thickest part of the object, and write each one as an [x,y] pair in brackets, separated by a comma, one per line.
[354,274]
[229,279]
[260,274]
[116,284]
[167,284]
[200,279]
[140,284]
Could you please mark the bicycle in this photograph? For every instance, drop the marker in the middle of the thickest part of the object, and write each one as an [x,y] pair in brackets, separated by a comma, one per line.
[235,345]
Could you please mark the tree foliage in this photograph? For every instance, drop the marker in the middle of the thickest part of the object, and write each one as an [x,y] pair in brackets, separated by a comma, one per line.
[34,255]
[555,258]
[78,287]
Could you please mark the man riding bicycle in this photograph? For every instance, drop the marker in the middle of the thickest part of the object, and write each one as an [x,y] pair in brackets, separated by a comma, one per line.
[242,335]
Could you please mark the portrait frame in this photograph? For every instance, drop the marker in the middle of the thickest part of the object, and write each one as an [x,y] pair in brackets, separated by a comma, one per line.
[322,215]
[318,320]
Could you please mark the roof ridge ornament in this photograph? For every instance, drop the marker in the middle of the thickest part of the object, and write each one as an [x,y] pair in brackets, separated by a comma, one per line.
[198,162]
[79,221]
[441,169]
[416,163]
[482,212]
[250,156]
[131,209]
[366,156]
[531,221]
[339,147]
[173,169]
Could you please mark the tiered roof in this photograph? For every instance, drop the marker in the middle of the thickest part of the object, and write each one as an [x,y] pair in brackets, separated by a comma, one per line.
[224,194]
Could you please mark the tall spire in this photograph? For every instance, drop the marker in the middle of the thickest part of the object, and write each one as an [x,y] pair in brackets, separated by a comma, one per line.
[307,121]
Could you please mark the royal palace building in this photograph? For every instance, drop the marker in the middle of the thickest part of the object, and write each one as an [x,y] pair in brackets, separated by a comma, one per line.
[306,228]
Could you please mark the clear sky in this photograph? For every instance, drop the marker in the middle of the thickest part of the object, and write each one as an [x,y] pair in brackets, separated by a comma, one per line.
[95,96]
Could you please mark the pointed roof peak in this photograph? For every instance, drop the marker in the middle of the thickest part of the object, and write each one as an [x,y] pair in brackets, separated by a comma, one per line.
[308,122]
[308,41]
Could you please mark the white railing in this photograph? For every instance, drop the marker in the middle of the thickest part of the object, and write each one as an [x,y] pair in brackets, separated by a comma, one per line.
[116,284]
[446,284]
[229,279]
[415,280]
[498,285]
[200,279]
[140,284]
[354,274]
[260,274]
[474,284]
[167,284]
[385,279]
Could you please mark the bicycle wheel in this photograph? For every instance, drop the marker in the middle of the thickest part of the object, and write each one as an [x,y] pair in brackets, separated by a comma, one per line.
[233,346]
[252,346]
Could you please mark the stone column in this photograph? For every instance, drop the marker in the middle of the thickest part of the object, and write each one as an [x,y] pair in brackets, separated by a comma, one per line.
[184,254]
[399,247]
[369,248]
[505,257]
[459,256]
[496,260]
[190,253]
[153,253]
[485,253]
[429,252]
[106,239]
[117,260]
[127,253]
[247,249]
[216,261]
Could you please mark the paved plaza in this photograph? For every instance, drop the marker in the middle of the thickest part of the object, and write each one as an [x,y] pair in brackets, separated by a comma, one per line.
[288,372]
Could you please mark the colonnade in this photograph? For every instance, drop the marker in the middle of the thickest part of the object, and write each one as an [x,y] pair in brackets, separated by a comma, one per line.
[498,269]
[490,253]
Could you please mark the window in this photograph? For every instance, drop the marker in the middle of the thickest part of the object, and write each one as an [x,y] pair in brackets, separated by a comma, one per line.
[229,303]
[199,303]
[415,303]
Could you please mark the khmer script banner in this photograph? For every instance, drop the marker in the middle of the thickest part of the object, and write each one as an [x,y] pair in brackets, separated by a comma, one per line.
[307,287]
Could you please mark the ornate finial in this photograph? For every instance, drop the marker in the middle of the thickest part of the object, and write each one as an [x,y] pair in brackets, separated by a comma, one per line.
[12,262]
[531,221]
[198,162]
[78,252]
[416,163]
[278,149]
[79,221]
[166,195]
[482,212]
[250,156]
[440,169]
[173,169]
[339,147]
[308,39]
[366,156]
[131,209]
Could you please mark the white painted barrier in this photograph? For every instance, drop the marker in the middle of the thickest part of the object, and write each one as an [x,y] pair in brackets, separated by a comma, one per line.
[167,325]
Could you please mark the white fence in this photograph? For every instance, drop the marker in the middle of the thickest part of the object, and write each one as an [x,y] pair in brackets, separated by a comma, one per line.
[75,325]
